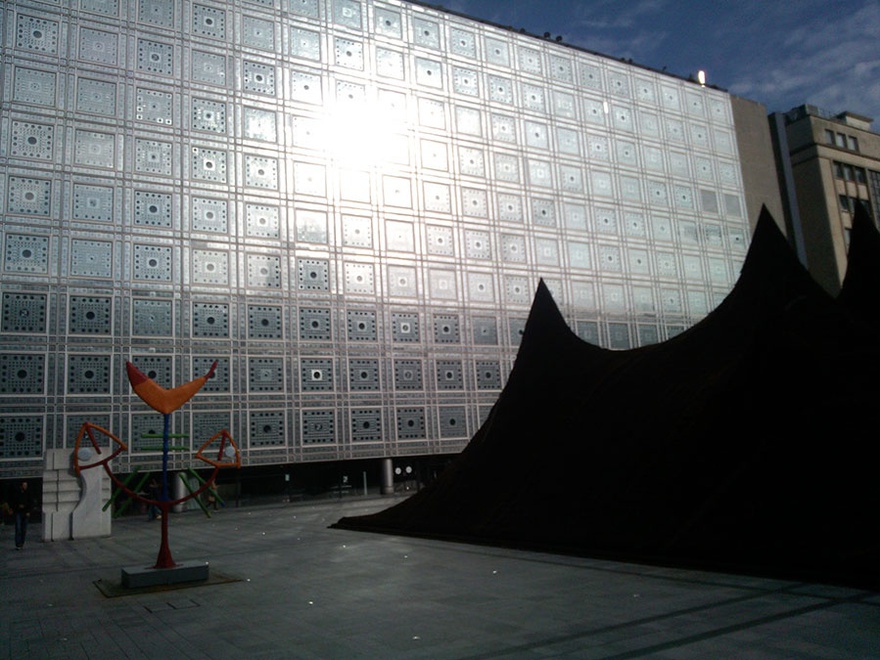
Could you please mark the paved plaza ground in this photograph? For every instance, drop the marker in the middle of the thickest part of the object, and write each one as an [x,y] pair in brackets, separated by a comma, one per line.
[284,585]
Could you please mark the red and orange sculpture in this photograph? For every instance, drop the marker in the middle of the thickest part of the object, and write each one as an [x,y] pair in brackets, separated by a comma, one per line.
[164,401]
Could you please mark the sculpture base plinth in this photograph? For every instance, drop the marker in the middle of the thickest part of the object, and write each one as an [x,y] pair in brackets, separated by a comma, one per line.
[135,577]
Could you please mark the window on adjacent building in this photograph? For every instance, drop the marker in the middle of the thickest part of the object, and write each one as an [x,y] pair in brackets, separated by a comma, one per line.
[844,202]
[853,142]
[829,136]
[861,176]
[841,141]
[838,170]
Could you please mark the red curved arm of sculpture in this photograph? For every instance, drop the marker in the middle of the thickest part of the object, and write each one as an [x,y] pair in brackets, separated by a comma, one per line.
[87,430]
[226,443]
[227,450]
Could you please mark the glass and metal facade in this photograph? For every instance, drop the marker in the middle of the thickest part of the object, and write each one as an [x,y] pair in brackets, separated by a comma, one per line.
[347,203]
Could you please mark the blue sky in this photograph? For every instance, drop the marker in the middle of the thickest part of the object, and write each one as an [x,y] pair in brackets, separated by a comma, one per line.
[783,54]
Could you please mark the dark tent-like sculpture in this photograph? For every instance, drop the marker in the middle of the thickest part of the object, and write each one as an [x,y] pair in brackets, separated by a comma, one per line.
[742,444]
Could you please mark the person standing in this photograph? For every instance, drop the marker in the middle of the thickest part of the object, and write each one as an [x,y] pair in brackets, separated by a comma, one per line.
[22,505]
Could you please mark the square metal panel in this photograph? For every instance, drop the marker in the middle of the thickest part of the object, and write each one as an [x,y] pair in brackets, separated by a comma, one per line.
[22,374]
[28,196]
[34,86]
[442,284]
[257,33]
[26,254]
[153,209]
[361,325]
[488,375]
[449,375]
[316,374]
[410,423]
[389,63]
[95,203]
[96,97]
[153,157]
[437,197]
[463,42]
[510,208]
[152,318]
[261,172]
[155,57]
[208,115]
[485,329]
[440,240]
[210,320]
[426,33]
[453,422]
[266,429]
[359,278]
[208,22]
[265,322]
[349,53]
[306,87]
[408,375]
[263,271]
[24,312]
[209,215]
[152,262]
[481,287]
[21,436]
[516,327]
[154,106]
[31,140]
[366,424]
[497,51]
[88,374]
[209,68]
[363,375]
[447,329]
[315,323]
[209,164]
[37,34]
[206,424]
[90,315]
[405,327]
[311,226]
[98,46]
[210,267]
[90,258]
[318,426]
[306,8]
[156,12]
[305,44]
[347,13]
[144,431]
[258,78]
[260,124]
[313,274]
[266,374]
[262,220]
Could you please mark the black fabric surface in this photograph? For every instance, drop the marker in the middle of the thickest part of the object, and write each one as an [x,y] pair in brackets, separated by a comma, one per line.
[742,444]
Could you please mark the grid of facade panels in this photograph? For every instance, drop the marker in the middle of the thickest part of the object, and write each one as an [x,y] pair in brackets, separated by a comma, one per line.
[347,203]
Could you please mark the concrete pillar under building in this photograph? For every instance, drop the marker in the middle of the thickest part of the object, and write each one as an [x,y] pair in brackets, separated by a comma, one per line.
[178,490]
[387,477]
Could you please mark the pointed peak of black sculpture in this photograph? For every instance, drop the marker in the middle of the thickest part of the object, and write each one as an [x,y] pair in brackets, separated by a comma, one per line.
[771,271]
[862,281]
[545,320]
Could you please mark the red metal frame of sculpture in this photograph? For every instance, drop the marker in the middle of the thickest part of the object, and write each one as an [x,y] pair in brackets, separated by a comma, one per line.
[165,401]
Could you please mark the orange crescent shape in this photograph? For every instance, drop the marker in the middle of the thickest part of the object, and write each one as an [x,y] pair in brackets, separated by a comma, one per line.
[162,400]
